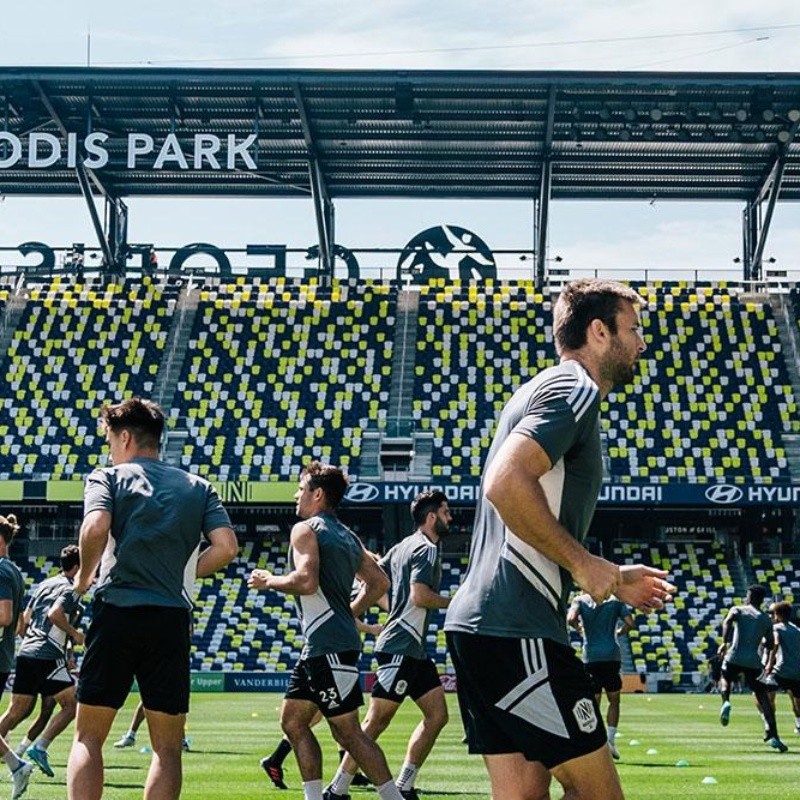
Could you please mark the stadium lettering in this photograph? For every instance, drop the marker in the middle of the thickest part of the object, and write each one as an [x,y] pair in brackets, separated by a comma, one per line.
[774,494]
[630,494]
[199,152]
[235,491]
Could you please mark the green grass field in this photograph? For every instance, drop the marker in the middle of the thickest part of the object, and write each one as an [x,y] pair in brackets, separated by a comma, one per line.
[231,732]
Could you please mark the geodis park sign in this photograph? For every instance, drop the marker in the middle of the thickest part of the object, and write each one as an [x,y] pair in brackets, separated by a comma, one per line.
[140,151]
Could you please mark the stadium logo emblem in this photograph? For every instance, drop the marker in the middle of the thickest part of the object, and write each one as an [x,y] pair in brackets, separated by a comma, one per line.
[362,493]
[446,252]
[723,494]
[585,716]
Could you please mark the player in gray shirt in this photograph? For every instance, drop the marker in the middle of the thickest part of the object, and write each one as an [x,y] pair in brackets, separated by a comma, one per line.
[48,627]
[404,668]
[526,700]
[783,663]
[745,630]
[12,590]
[144,524]
[324,558]
[601,625]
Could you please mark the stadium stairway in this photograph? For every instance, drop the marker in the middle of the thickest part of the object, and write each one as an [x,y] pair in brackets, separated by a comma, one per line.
[171,367]
[787,326]
[401,392]
[177,341]
[12,313]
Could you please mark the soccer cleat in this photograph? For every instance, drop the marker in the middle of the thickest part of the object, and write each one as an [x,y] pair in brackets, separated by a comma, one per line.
[329,795]
[274,772]
[126,741]
[409,794]
[39,757]
[614,751]
[20,778]
[776,744]
[725,713]
[359,779]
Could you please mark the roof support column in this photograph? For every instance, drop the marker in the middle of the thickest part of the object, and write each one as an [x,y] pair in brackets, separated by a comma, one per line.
[545,184]
[756,222]
[84,176]
[324,214]
[86,191]
[323,207]
[116,223]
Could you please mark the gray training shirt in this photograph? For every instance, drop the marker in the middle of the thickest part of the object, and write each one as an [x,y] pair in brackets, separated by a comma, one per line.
[325,616]
[12,587]
[750,628]
[159,514]
[600,623]
[43,639]
[415,559]
[510,588]
[787,659]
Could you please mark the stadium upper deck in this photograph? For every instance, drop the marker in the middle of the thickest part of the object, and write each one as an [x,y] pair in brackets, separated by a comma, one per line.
[277,371]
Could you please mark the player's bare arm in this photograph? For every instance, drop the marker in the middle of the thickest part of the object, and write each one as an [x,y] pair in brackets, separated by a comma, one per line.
[222,549]
[304,578]
[423,596]
[374,584]
[57,616]
[91,541]
[512,486]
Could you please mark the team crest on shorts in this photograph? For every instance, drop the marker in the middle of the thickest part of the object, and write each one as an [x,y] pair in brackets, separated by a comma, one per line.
[401,687]
[584,715]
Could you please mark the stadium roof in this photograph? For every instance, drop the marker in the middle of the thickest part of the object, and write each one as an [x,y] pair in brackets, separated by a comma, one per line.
[576,135]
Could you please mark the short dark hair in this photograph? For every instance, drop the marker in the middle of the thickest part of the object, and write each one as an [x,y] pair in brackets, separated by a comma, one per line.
[783,610]
[757,594]
[330,479]
[425,503]
[143,418]
[8,527]
[70,557]
[581,302]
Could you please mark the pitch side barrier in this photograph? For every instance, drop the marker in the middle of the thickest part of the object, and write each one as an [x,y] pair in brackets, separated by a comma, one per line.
[377,493]
[240,681]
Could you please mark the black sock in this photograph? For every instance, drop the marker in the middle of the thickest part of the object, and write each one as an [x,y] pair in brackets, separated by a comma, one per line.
[281,751]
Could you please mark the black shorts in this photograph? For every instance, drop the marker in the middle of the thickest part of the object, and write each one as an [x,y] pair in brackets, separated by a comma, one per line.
[45,676]
[149,643]
[752,675]
[403,676]
[329,681]
[605,675]
[3,682]
[528,696]
[788,684]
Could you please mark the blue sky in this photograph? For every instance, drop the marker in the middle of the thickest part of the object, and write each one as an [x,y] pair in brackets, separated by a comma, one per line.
[583,34]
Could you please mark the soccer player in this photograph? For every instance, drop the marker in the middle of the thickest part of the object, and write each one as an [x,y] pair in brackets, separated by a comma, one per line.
[324,557]
[404,669]
[526,700]
[42,668]
[129,739]
[12,591]
[748,628]
[601,625]
[273,763]
[783,663]
[145,520]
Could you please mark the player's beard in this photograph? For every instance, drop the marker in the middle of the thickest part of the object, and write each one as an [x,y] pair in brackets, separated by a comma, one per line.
[617,368]
[442,529]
